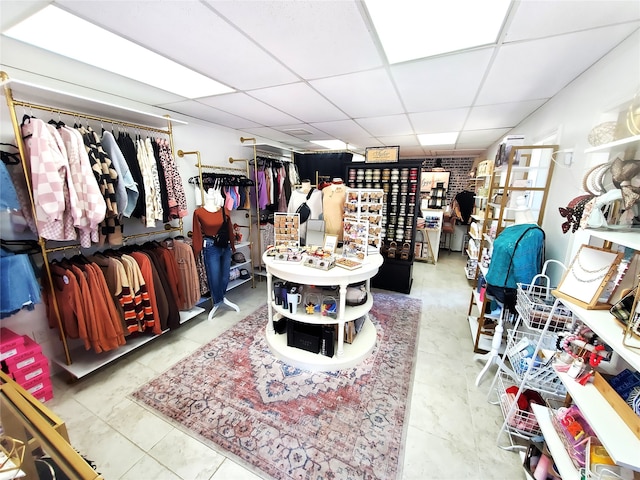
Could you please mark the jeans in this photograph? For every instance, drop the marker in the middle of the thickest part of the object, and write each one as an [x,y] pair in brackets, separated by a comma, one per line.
[217,263]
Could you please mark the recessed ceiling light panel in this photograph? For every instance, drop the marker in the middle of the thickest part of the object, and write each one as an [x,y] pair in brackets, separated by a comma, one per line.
[60,32]
[430,139]
[331,144]
[411,29]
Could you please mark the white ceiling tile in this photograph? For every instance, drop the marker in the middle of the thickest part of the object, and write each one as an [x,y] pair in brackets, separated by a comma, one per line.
[441,83]
[439,121]
[199,40]
[301,101]
[355,93]
[199,110]
[537,19]
[314,38]
[271,134]
[538,69]
[341,130]
[501,115]
[402,140]
[243,105]
[480,138]
[388,125]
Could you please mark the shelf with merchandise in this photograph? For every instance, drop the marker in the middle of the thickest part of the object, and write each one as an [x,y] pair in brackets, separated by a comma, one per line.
[616,435]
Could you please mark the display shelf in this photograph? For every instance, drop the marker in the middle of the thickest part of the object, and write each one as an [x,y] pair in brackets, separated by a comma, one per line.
[237,282]
[629,238]
[88,361]
[351,313]
[484,341]
[621,444]
[560,456]
[479,304]
[609,331]
[352,355]
[346,355]
[617,143]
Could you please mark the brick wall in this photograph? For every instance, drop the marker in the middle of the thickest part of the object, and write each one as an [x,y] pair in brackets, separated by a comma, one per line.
[459,169]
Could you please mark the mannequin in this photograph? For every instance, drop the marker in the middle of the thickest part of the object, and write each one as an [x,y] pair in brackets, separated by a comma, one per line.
[208,221]
[518,255]
[305,186]
[522,213]
[298,196]
[333,199]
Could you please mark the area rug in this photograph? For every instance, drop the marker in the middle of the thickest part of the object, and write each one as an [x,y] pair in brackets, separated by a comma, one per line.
[287,423]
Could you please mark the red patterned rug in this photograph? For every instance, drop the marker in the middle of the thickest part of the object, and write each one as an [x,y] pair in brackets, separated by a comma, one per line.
[287,423]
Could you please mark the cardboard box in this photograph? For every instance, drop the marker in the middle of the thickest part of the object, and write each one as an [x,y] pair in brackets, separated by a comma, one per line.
[28,354]
[10,343]
[627,415]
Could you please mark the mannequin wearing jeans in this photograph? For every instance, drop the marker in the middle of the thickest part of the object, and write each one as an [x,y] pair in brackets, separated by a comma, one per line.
[207,223]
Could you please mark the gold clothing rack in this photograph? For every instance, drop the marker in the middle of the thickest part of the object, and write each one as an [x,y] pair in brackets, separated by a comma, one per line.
[223,169]
[12,103]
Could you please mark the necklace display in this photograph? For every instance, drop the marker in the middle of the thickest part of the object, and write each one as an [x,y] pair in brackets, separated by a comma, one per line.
[582,278]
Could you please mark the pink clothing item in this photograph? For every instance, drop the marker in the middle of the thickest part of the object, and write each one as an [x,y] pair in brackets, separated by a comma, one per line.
[228,199]
[49,171]
[90,200]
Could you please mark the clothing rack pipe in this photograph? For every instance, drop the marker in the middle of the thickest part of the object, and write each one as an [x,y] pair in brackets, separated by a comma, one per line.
[12,103]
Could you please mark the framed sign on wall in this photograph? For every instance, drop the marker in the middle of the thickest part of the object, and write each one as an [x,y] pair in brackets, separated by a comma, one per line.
[381,154]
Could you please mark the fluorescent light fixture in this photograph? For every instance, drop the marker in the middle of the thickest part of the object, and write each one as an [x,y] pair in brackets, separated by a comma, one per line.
[60,32]
[331,144]
[410,29]
[448,138]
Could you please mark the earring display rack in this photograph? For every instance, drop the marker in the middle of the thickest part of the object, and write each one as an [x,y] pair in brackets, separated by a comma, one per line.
[77,361]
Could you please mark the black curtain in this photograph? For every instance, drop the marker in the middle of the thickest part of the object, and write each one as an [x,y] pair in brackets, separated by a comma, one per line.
[331,165]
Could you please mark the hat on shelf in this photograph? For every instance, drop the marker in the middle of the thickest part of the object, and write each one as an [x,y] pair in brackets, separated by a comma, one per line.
[244,273]
[238,257]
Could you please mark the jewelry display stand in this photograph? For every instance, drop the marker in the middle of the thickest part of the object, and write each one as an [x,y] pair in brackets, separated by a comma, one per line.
[587,276]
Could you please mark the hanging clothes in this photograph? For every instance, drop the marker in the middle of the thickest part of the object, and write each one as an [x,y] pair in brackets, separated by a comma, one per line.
[177,200]
[107,177]
[127,190]
[91,203]
[54,199]
[128,149]
[19,287]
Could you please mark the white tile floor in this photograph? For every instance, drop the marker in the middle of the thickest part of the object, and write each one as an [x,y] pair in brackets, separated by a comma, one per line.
[451,433]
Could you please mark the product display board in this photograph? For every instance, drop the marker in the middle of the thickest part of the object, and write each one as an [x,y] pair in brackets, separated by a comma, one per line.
[286,228]
[366,205]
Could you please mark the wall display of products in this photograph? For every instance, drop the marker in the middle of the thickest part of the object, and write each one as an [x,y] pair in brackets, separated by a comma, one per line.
[524,178]
[400,184]
[77,360]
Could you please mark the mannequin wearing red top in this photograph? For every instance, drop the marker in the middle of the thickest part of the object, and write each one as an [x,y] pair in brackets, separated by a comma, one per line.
[208,221]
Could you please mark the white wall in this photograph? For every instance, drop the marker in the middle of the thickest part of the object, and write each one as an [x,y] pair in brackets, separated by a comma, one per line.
[583,104]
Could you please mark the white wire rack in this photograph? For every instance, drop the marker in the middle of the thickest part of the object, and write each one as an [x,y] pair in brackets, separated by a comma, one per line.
[541,375]
[534,304]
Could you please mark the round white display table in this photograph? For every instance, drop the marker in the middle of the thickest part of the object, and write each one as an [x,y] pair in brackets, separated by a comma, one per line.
[347,355]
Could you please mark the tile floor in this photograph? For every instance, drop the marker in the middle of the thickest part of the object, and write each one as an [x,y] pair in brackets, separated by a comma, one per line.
[451,433]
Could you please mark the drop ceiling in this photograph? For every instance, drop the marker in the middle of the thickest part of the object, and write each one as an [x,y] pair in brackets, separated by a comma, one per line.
[314,69]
